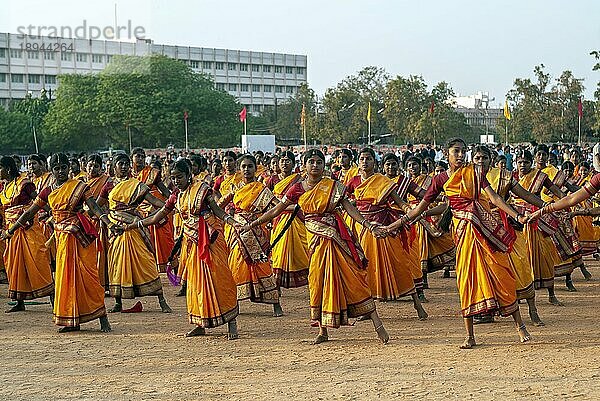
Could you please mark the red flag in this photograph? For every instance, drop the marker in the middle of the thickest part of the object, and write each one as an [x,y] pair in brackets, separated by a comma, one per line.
[580,108]
[185,115]
[243,114]
[432,107]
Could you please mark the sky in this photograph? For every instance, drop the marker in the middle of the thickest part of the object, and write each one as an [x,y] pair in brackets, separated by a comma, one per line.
[473,45]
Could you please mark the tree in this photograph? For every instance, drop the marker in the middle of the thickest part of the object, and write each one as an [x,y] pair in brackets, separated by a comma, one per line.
[16,132]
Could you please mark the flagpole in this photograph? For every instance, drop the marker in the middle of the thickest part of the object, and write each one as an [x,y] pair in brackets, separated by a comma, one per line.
[304,135]
[187,147]
[579,129]
[35,137]
[369,132]
[506,132]
[245,126]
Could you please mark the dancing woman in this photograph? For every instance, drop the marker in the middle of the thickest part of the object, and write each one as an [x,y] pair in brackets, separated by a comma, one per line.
[486,283]
[337,280]
[26,256]
[211,292]
[79,297]
[132,269]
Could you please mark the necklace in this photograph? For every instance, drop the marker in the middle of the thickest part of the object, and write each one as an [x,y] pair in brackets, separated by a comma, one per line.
[312,185]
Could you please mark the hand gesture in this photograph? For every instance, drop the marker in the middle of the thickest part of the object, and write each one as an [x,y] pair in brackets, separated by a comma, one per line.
[534,216]
[523,219]
[242,228]
[117,229]
[379,232]
[4,235]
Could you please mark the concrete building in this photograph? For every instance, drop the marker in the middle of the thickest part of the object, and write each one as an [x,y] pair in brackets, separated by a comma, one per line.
[257,79]
[478,110]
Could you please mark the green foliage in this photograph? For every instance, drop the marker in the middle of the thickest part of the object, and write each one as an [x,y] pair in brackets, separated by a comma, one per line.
[17,135]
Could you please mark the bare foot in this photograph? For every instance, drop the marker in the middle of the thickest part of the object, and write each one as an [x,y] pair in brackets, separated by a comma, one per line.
[524,334]
[363,318]
[535,318]
[554,301]
[19,307]
[105,325]
[116,308]
[164,307]
[68,329]
[232,331]
[197,331]
[277,311]
[321,338]
[469,343]
[382,334]
[570,286]
[586,274]
[422,313]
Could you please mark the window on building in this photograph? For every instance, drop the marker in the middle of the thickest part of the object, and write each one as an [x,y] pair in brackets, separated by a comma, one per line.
[2,52]
[300,70]
[220,86]
[34,78]
[49,55]
[278,88]
[194,64]
[289,89]
[81,57]
[66,56]
[32,54]
[256,108]
[243,67]
[207,65]
[97,58]
[50,79]
[255,68]
[268,88]
[219,65]
[16,78]
[231,66]
[289,70]
[278,69]
[232,87]
[266,68]
[108,58]
[255,88]
[16,53]
[244,87]
[2,77]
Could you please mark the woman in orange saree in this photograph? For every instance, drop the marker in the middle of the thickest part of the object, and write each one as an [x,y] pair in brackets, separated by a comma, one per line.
[289,256]
[389,272]
[211,292]
[248,256]
[37,167]
[337,282]
[25,256]
[132,269]
[542,253]
[96,180]
[486,282]
[79,297]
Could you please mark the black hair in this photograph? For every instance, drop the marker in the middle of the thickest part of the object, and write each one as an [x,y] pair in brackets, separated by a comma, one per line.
[58,159]
[199,160]
[527,156]
[586,165]
[348,153]
[95,158]
[289,154]
[37,158]
[414,159]
[442,164]
[247,156]
[138,150]
[482,149]
[369,151]
[499,158]
[542,148]
[121,156]
[390,156]
[182,165]
[567,165]
[454,141]
[313,152]
[9,163]
[230,153]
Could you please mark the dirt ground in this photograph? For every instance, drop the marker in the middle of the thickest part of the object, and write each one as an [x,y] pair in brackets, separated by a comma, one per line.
[146,356]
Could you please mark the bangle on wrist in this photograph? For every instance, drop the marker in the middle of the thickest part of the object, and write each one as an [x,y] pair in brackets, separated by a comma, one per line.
[140,224]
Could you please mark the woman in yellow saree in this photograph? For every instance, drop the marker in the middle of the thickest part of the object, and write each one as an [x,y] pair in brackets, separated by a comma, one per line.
[37,167]
[289,255]
[486,282]
[211,292]
[540,236]
[96,180]
[390,260]
[337,281]
[79,297]
[503,183]
[248,256]
[132,269]
[25,256]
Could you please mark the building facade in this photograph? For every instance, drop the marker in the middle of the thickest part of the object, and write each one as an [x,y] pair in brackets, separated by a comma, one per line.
[478,110]
[258,79]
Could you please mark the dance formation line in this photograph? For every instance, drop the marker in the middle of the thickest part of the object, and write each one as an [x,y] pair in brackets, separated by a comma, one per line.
[354,234]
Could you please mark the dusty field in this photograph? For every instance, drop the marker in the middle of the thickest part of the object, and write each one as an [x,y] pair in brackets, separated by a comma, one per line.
[146,356]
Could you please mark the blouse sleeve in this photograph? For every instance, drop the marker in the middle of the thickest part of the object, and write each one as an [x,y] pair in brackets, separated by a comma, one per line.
[593,185]
[105,191]
[42,198]
[436,187]
[172,201]
[293,194]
